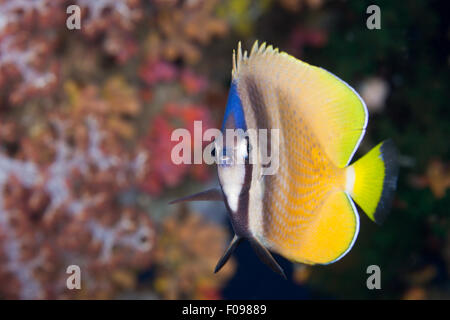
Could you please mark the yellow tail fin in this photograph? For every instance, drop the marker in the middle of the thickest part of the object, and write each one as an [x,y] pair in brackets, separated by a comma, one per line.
[372,180]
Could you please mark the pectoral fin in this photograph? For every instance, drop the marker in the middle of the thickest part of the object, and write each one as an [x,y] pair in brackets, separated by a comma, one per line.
[233,244]
[214,194]
[265,256]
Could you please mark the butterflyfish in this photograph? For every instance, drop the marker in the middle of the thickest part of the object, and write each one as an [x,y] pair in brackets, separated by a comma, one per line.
[306,210]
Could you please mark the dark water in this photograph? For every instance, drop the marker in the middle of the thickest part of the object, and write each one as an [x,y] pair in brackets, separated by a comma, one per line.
[254,280]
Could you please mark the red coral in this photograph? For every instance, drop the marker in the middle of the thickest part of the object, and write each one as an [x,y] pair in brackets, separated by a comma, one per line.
[70,165]
[162,170]
[104,14]
[26,46]
[115,20]
[61,205]
[186,253]
[181,26]
[192,83]
[153,72]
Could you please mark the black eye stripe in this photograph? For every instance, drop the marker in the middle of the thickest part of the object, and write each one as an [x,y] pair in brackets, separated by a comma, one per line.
[248,146]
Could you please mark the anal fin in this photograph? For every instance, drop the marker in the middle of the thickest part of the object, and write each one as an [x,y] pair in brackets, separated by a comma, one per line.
[265,256]
[233,244]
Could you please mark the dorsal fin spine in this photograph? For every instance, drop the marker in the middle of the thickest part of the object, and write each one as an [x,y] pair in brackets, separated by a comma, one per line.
[243,56]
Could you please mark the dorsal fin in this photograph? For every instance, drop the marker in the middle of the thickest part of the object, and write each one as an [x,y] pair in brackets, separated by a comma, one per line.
[333,110]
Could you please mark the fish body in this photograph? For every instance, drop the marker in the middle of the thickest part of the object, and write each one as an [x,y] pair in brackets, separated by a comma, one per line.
[305,211]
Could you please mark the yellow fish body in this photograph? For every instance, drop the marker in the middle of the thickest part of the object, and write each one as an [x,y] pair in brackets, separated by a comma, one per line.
[305,211]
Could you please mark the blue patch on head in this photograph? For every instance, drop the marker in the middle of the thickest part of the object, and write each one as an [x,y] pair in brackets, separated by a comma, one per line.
[234,110]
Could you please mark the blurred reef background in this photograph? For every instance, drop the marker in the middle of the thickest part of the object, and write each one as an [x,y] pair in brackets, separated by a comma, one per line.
[85,123]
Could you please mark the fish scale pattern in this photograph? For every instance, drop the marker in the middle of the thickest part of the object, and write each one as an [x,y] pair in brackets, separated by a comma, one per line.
[307,217]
